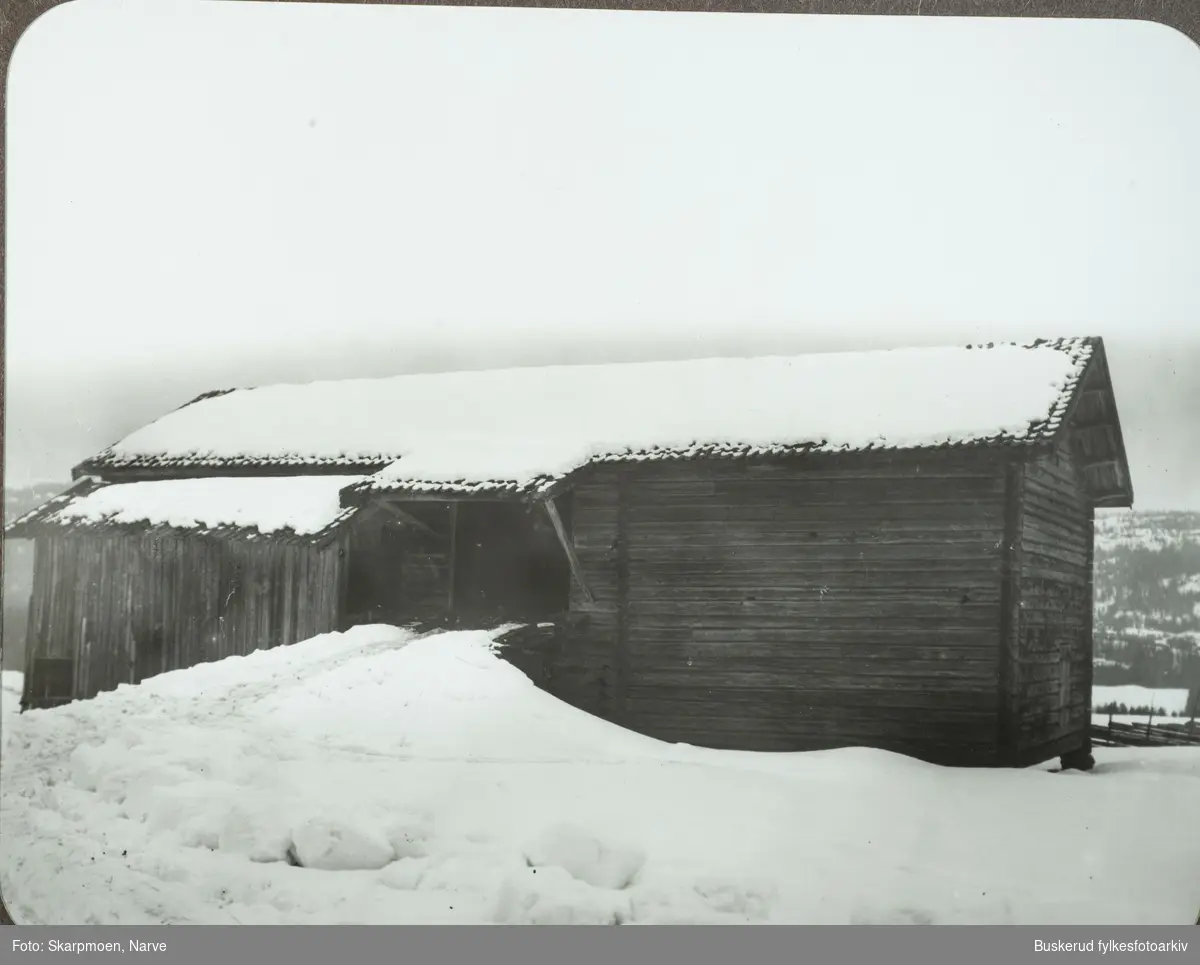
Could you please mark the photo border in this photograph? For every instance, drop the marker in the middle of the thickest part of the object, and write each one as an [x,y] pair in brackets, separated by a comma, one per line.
[16,16]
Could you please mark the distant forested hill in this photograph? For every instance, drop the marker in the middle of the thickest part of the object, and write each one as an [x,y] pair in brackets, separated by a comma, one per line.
[1147,622]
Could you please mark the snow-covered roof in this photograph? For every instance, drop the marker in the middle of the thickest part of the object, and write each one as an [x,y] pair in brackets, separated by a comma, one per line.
[518,430]
[305,507]
[492,468]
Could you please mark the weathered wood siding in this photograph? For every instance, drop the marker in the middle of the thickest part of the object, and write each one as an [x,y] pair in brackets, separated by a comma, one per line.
[124,606]
[834,602]
[587,666]
[1049,680]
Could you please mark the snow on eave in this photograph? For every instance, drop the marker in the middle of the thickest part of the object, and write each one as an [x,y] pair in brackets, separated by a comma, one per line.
[25,525]
[283,509]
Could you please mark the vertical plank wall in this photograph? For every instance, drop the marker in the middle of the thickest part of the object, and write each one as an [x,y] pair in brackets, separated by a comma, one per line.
[106,599]
[778,607]
[1051,678]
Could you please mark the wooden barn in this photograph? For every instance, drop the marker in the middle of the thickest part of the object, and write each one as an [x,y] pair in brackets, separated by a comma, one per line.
[890,549]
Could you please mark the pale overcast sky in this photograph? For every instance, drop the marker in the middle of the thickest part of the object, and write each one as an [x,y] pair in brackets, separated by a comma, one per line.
[205,194]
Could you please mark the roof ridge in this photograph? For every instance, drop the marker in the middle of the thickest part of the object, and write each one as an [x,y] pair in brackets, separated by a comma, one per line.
[1058,342]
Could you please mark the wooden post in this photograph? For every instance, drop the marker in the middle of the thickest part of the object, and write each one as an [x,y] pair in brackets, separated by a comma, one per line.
[453,556]
[576,569]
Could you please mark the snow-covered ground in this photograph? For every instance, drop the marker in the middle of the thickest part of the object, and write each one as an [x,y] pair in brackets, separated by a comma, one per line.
[12,682]
[1163,700]
[377,777]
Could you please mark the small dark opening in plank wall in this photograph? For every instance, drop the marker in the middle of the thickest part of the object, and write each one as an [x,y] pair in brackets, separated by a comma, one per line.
[51,683]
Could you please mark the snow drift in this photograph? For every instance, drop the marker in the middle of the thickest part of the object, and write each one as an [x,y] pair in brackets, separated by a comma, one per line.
[380,777]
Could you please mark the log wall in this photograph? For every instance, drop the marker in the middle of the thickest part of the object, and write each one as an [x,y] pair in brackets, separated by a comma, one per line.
[1049,686]
[123,606]
[772,607]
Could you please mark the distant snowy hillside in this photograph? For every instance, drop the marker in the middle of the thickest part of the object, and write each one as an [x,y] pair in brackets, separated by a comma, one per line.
[1148,598]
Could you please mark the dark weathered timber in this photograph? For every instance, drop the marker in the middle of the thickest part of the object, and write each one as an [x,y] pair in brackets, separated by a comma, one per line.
[1054,656]
[569,550]
[122,607]
[1083,754]
[1008,678]
[771,607]
[1095,438]
[398,567]
[453,558]
[622,661]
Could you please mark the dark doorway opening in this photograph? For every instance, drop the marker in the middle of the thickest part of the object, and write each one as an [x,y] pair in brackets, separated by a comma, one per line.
[51,683]
[375,587]
[148,653]
[509,563]
[471,563]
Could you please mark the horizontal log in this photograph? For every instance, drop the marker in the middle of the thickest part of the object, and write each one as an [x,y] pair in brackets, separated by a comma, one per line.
[978,465]
[1034,572]
[643,549]
[1058,472]
[972,685]
[1056,528]
[688,605]
[718,716]
[1055,501]
[862,511]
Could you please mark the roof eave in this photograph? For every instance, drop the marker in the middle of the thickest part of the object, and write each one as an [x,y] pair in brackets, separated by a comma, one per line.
[40,528]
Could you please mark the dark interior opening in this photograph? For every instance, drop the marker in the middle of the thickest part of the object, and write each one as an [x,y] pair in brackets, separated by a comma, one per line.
[148,653]
[507,565]
[375,586]
[510,563]
[51,682]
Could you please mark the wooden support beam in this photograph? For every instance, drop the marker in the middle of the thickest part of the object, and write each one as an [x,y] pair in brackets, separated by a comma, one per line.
[411,520]
[576,569]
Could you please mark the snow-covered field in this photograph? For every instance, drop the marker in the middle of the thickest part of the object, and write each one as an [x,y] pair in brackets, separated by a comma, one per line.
[378,777]
[1159,720]
[1164,701]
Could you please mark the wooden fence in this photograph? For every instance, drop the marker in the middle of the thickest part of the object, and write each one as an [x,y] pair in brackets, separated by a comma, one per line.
[1155,732]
